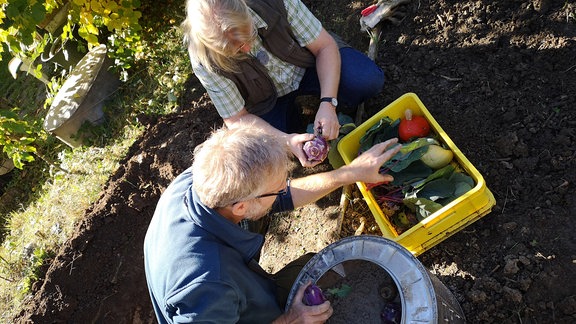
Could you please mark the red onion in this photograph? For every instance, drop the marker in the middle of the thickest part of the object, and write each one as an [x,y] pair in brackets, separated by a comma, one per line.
[391,313]
[313,296]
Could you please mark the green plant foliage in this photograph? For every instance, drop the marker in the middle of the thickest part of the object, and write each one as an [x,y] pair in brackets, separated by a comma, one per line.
[52,198]
[417,191]
[21,18]
[341,292]
[415,171]
[334,156]
[384,130]
[17,137]
[117,20]
[422,207]
[444,172]
[34,269]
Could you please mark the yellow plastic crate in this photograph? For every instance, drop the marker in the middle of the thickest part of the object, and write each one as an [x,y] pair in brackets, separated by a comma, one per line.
[453,217]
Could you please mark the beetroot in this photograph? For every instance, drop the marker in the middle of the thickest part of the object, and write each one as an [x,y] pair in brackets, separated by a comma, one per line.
[316,149]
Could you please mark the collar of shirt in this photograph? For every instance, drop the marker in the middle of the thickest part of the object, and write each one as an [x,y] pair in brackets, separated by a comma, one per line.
[247,243]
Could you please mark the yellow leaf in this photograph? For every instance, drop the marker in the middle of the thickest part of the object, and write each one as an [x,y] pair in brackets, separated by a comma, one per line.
[113,6]
[86,17]
[114,24]
[92,29]
[96,6]
[92,40]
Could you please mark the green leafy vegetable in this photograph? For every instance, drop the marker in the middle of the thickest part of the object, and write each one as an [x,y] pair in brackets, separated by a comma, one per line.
[341,292]
[422,207]
[408,154]
[418,143]
[384,130]
[445,172]
[334,157]
[417,190]
[413,172]
[437,189]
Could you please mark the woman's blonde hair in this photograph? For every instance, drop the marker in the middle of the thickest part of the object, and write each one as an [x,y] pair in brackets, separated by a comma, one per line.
[208,28]
[236,164]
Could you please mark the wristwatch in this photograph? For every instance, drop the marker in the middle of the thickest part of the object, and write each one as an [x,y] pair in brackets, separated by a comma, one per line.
[331,100]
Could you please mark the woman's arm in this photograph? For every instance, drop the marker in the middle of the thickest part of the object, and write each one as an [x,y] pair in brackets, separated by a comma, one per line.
[328,63]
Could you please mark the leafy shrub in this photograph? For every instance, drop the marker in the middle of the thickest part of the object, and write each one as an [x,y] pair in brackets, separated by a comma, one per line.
[114,20]
[17,137]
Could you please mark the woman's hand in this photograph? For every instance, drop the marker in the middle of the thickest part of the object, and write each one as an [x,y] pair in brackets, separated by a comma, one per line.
[327,120]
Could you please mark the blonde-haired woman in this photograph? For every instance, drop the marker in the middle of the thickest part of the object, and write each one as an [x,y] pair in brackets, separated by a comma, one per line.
[254,57]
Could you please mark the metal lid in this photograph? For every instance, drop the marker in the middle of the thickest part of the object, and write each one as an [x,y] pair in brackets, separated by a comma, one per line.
[416,290]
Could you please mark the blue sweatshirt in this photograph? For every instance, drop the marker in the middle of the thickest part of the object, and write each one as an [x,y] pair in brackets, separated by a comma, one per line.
[196,263]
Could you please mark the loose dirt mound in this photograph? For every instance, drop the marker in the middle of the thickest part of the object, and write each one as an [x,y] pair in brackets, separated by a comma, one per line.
[499,76]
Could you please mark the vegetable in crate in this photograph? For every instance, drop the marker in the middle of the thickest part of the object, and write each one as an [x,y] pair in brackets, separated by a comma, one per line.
[316,149]
[437,157]
[412,126]
[424,179]
[313,296]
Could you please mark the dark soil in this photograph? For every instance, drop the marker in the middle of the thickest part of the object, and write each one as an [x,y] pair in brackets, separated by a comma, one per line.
[498,76]
[360,288]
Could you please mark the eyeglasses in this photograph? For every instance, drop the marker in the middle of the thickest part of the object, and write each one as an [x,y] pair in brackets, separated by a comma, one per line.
[249,40]
[279,193]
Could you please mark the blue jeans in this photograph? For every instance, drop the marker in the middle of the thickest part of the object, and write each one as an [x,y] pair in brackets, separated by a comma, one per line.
[360,79]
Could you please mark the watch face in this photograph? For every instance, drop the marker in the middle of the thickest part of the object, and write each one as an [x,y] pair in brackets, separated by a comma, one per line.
[333,101]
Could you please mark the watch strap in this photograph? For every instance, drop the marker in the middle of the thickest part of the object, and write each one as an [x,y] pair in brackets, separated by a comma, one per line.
[331,100]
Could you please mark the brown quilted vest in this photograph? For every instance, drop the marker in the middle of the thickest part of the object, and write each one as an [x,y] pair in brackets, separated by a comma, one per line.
[253,81]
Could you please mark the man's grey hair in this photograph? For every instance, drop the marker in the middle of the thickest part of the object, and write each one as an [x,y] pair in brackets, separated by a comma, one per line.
[236,164]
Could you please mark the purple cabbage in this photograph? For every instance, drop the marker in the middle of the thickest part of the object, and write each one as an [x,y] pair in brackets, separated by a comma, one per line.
[391,313]
[313,296]
[316,149]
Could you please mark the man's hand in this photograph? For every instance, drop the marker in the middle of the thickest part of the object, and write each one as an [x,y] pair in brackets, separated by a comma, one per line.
[366,167]
[296,143]
[299,313]
[327,120]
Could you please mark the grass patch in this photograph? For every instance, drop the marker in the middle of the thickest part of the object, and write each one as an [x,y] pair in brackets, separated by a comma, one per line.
[44,202]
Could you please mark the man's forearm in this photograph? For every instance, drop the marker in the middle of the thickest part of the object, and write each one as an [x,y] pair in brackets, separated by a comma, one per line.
[313,187]
[365,168]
